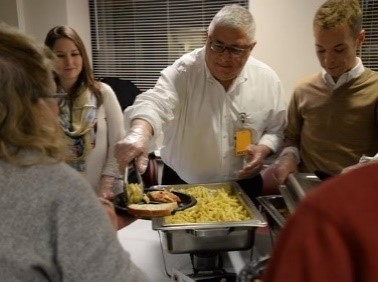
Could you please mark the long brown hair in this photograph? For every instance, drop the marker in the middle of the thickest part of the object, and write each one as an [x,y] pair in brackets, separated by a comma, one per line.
[86,77]
[26,80]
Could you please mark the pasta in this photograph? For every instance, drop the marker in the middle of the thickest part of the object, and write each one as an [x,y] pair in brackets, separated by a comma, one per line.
[134,193]
[213,205]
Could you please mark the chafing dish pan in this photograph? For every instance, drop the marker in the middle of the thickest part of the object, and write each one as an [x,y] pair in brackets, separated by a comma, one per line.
[290,198]
[296,187]
[276,209]
[300,183]
[210,236]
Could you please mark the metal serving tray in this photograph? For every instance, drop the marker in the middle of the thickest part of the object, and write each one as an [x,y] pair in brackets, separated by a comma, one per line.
[301,183]
[210,236]
[276,208]
[296,187]
[290,198]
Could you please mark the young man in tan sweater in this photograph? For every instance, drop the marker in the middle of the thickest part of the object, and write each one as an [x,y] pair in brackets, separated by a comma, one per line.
[332,116]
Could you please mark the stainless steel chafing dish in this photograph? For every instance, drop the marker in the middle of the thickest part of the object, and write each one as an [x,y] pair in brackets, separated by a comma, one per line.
[276,208]
[210,236]
[296,187]
[279,207]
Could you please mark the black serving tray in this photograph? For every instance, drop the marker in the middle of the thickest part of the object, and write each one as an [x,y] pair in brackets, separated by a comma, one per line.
[187,201]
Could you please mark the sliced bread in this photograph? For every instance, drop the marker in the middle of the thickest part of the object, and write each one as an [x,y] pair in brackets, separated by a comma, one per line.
[152,210]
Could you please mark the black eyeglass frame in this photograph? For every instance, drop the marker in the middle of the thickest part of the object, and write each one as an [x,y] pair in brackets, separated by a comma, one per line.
[58,95]
[219,47]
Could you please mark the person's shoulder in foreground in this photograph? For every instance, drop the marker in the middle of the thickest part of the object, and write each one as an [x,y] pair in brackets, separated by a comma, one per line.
[53,226]
[75,240]
[332,235]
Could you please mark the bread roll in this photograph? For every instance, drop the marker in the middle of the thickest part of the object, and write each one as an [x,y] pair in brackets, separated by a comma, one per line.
[152,210]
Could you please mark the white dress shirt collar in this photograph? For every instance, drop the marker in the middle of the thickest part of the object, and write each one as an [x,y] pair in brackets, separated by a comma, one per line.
[345,77]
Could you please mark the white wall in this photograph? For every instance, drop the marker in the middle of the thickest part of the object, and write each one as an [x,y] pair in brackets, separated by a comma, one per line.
[8,12]
[284,32]
[284,37]
[41,15]
[78,18]
[37,17]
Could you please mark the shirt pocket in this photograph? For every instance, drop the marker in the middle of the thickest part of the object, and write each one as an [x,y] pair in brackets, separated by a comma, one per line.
[256,121]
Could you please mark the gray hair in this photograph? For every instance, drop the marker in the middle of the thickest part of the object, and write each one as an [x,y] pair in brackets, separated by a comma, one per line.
[234,16]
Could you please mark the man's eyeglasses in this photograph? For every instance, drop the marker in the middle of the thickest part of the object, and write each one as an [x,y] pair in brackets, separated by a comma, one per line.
[59,95]
[219,47]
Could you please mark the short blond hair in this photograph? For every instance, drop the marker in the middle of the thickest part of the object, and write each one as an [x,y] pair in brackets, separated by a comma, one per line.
[26,79]
[333,13]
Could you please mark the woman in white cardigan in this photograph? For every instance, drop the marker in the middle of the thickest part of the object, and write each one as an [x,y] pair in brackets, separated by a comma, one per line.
[90,114]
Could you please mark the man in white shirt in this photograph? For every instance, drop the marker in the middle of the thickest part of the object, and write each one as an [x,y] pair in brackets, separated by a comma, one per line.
[332,116]
[218,111]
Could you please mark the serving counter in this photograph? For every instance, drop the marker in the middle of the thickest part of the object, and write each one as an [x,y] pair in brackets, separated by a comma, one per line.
[143,244]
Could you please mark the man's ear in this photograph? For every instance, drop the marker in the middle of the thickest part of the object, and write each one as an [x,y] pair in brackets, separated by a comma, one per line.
[361,38]
[253,45]
[206,33]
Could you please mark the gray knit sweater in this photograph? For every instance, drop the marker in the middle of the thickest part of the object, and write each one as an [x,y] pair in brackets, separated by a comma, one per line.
[53,228]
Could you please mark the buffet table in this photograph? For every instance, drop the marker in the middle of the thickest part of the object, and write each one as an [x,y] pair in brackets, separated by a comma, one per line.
[143,244]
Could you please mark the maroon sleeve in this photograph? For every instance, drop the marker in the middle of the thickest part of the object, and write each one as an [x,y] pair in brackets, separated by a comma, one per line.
[310,248]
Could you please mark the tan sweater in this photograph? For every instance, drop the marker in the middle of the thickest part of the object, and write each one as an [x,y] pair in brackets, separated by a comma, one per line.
[333,129]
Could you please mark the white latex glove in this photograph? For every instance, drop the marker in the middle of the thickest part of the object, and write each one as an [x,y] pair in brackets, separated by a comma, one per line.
[283,166]
[134,146]
[254,160]
[364,160]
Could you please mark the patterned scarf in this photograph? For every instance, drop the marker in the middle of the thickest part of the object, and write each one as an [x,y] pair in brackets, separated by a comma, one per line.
[79,125]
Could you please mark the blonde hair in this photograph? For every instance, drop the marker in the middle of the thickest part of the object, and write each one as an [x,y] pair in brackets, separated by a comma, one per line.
[26,80]
[333,13]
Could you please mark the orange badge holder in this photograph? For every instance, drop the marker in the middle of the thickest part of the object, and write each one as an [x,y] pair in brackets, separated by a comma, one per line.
[243,138]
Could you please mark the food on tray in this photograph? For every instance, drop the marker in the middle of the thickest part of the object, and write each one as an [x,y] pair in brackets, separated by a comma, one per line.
[163,196]
[134,193]
[213,205]
[140,203]
[151,210]
[145,199]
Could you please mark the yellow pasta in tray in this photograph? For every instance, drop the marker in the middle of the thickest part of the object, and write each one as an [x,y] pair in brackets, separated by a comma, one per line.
[213,205]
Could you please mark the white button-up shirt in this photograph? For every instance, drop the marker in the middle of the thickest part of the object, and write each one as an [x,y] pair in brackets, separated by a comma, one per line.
[196,119]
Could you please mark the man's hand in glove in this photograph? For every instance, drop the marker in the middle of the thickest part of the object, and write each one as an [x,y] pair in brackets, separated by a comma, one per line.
[134,146]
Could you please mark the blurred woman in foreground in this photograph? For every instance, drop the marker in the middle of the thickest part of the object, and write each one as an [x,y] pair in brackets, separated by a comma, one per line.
[53,226]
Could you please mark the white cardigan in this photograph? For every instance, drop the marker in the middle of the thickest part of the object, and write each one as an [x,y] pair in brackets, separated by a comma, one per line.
[110,129]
